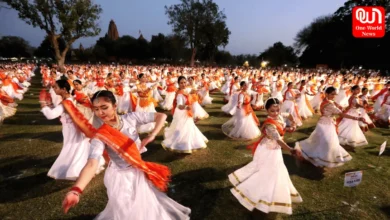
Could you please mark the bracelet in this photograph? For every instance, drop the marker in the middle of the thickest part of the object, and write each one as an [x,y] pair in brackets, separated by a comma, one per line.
[73,192]
[76,189]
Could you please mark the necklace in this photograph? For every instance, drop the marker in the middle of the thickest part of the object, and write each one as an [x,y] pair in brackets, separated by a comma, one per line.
[118,124]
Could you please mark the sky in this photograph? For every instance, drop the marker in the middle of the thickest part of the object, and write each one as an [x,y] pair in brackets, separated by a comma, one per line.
[255,25]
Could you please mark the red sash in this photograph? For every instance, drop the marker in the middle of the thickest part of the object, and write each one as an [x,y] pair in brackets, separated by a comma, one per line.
[383,91]
[268,121]
[385,99]
[125,147]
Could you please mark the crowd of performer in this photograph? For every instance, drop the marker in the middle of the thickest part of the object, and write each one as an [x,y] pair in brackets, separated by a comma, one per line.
[104,108]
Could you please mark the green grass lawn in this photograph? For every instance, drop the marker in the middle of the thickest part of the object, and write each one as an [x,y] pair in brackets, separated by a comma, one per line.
[29,144]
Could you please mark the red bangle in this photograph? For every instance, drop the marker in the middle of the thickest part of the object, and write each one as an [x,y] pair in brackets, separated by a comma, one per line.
[76,189]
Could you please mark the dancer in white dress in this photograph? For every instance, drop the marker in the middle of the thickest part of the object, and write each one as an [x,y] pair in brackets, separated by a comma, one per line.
[264,183]
[350,133]
[75,150]
[323,148]
[244,123]
[135,187]
[182,135]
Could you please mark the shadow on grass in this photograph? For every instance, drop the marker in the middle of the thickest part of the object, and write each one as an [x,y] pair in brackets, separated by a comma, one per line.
[81,217]
[200,125]
[215,135]
[386,210]
[219,114]
[53,136]
[24,179]
[303,169]
[30,119]
[197,197]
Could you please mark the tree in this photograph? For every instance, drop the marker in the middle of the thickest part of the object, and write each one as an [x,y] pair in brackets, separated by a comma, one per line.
[46,49]
[67,19]
[279,55]
[157,46]
[11,46]
[200,23]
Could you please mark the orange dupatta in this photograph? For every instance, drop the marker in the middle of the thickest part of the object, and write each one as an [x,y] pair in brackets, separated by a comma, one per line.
[268,121]
[83,99]
[124,146]
[189,103]
[246,106]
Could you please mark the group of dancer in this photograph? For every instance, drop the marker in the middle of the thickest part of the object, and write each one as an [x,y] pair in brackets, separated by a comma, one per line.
[103,110]
[14,83]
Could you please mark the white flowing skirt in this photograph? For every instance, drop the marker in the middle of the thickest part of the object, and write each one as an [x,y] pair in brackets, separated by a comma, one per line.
[257,100]
[73,156]
[145,128]
[198,112]
[384,113]
[303,109]
[316,101]
[231,106]
[6,111]
[241,126]
[342,98]
[289,107]
[132,196]
[182,135]
[124,105]
[264,183]
[350,133]
[278,95]
[167,104]
[322,148]
[206,99]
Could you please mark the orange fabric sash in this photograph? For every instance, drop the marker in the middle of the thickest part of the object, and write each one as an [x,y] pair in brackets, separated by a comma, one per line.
[145,98]
[205,84]
[189,103]
[246,106]
[6,99]
[383,91]
[83,99]
[267,121]
[170,86]
[124,146]
[133,101]
[231,88]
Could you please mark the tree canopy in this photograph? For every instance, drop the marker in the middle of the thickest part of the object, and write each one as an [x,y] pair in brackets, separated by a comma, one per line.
[11,46]
[201,24]
[278,55]
[329,40]
[67,19]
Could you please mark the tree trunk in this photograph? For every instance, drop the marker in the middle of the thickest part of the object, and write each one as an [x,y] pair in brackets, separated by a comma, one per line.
[60,59]
[61,63]
[193,56]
